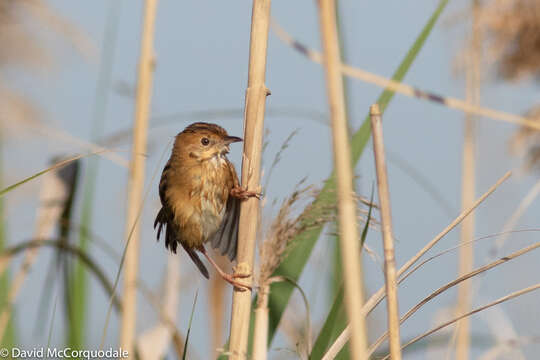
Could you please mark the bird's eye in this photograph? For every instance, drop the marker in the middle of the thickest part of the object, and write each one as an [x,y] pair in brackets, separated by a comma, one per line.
[205,141]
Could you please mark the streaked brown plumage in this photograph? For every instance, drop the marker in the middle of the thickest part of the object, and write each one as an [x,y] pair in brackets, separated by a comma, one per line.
[200,195]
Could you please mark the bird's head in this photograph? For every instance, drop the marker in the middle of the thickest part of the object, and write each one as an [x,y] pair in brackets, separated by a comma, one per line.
[203,141]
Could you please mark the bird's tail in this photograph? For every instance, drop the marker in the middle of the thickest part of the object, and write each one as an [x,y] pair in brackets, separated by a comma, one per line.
[193,255]
[162,220]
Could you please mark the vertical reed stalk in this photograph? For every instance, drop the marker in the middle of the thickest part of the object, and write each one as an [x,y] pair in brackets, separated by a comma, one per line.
[388,236]
[251,167]
[217,289]
[136,176]
[349,239]
[466,252]
[260,332]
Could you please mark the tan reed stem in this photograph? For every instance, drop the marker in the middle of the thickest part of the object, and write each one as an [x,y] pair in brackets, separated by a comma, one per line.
[349,239]
[387,233]
[466,252]
[251,168]
[260,333]
[377,297]
[217,290]
[408,90]
[136,176]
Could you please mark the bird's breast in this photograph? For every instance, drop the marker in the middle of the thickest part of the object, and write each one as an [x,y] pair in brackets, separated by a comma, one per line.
[213,193]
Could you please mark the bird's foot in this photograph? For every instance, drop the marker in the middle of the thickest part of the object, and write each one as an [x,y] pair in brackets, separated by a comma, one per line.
[244,194]
[241,276]
[231,279]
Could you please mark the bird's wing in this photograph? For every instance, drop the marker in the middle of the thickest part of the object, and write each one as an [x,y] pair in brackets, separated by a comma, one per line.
[226,237]
[164,218]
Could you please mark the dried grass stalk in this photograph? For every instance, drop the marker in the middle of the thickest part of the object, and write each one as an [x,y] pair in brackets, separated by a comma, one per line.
[377,297]
[349,239]
[136,176]
[251,167]
[387,233]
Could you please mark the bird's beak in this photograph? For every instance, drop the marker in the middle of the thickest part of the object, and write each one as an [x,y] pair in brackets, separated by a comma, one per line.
[232,139]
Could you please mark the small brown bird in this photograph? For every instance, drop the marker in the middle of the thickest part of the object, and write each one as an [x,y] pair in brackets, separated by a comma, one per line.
[200,196]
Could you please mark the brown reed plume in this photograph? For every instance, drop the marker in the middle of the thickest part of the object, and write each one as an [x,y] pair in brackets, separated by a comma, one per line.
[512,29]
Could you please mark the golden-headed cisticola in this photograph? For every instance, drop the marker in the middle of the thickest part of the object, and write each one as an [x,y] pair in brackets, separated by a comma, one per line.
[200,196]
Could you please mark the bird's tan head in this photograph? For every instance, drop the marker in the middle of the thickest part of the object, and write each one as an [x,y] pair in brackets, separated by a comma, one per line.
[203,141]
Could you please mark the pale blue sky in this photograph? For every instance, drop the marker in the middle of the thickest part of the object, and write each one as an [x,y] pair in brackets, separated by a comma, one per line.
[202,54]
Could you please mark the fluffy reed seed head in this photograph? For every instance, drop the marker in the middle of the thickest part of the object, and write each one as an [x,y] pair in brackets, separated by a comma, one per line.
[512,35]
[281,232]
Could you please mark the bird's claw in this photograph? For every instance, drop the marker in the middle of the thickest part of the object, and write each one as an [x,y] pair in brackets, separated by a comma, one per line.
[241,276]
[244,194]
[231,279]
[242,288]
